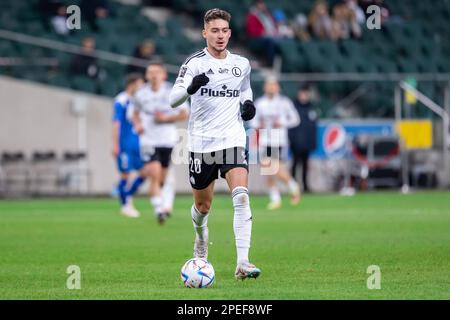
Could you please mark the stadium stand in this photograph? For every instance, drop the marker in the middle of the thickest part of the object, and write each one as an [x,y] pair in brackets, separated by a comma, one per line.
[74,177]
[15,173]
[44,169]
[413,39]
[44,173]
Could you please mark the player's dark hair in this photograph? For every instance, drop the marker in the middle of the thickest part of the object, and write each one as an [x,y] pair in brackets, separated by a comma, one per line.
[304,87]
[216,13]
[132,78]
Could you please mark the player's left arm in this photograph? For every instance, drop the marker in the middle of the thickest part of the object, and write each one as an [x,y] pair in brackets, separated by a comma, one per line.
[248,110]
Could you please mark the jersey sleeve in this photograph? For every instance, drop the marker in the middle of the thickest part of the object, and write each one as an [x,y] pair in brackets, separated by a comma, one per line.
[186,74]
[178,94]
[118,115]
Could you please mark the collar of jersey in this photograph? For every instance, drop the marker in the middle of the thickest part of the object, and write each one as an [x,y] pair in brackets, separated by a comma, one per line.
[211,57]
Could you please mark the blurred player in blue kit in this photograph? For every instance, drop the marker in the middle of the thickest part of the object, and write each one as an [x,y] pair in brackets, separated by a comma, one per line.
[126,145]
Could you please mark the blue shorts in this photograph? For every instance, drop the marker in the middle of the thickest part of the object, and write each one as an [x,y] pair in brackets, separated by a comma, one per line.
[129,160]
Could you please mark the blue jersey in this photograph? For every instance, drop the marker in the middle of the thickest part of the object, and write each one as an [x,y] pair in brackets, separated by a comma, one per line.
[128,139]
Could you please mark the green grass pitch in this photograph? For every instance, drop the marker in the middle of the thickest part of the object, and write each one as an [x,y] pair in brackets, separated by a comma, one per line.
[318,250]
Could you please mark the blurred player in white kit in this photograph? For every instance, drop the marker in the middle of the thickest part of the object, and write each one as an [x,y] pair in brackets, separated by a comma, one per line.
[154,120]
[275,114]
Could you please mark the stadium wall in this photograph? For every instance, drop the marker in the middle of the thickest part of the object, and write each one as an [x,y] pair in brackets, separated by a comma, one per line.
[36,117]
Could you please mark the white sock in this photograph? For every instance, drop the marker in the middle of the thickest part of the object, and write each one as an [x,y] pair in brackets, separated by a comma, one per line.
[242,223]
[129,203]
[156,202]
[167,194]
[293,186]
[200,222]
[274,194]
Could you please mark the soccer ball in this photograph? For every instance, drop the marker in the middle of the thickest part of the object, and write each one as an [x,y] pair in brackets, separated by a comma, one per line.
[197,273]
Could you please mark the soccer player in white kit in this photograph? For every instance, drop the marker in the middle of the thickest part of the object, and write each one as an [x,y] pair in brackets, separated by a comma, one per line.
[276,113]
[217,82]
[154,120]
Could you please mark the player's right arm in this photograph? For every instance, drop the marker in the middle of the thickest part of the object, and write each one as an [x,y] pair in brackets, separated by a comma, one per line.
[136,118]
[187,83]
[137,123]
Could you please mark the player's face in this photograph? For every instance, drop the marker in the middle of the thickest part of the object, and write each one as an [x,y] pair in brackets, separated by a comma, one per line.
[156,74]
[271,88]
[136,85]
[217,34]
[303,96]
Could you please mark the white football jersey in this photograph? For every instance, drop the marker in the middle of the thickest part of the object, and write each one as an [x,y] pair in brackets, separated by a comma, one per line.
[147,102]
[279,109]
[215,121]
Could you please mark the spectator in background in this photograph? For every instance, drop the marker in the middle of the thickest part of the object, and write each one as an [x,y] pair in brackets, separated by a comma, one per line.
[91,10]
[48,9]
[284,29]
[300,26]
[145,50]
[344,23]
[85,64]
[302,138]
[320,21]
[58,21]
[359,14]
[262,29]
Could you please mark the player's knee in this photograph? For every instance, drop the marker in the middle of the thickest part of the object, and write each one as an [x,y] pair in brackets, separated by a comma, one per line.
[203,206]
[153,169]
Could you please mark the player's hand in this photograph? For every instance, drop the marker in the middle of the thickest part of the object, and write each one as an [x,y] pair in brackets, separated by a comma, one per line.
[197,82]
[161,117]
[115,150]
[139,129]
[276,124]
[248,110]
